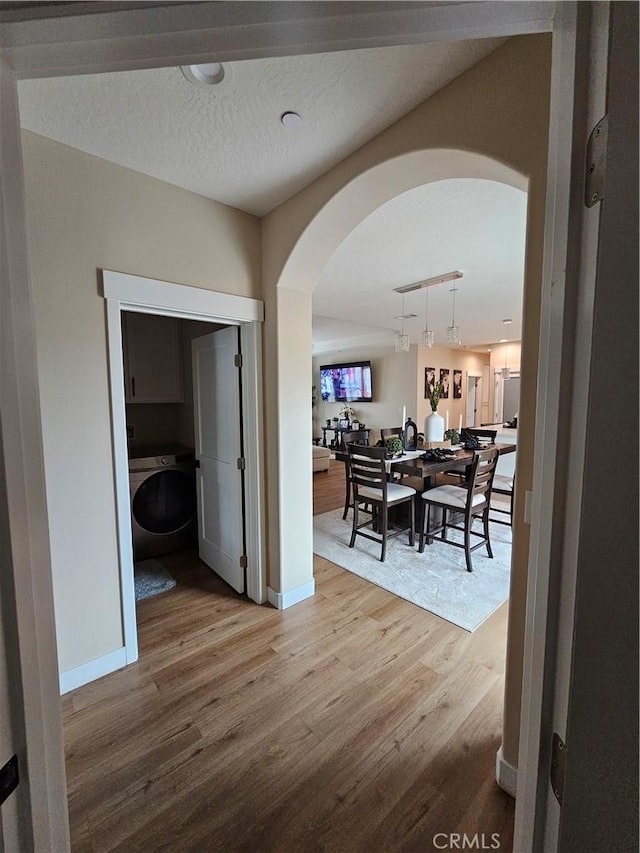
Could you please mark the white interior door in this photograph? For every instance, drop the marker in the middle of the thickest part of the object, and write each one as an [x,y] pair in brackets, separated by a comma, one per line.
[218,439]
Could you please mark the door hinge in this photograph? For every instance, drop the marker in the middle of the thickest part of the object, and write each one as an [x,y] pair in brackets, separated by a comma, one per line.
[241,463]
[237,360]
[558,765]
[243,561]
[596,163]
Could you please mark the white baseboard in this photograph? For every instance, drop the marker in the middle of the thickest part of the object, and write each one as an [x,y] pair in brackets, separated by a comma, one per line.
[506,774]
[282,600]
[92,669]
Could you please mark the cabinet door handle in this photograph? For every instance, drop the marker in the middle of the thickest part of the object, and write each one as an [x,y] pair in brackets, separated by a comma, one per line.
[133,386]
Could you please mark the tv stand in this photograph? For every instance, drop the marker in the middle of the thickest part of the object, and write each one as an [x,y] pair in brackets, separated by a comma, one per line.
[336,441]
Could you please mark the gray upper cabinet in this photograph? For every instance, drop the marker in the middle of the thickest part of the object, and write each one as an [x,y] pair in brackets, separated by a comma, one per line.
[152,358]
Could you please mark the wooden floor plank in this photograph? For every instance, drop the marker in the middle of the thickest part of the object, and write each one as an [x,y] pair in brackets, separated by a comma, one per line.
[354,721]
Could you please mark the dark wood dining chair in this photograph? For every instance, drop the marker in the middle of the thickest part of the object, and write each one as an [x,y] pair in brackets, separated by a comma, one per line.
[354,437]
[483,433]
[461,473]
[472,499]
[371,486]
[387,432]
[504,484]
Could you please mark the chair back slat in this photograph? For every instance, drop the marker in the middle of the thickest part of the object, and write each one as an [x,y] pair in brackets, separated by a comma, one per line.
[483,433]
[387,432]
[356,437]
[367,467]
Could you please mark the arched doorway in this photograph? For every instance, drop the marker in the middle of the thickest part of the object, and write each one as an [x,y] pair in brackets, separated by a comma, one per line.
[329,225]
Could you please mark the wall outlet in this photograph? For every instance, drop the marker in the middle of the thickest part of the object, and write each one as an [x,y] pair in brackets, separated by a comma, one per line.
[131,432]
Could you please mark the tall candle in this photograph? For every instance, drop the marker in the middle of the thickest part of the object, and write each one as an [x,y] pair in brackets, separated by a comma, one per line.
[460,423]
[446,421]
[404,416]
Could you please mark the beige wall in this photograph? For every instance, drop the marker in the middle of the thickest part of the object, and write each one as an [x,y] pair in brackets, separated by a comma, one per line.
[393,379]
[153,423]
[398,380]
[454,359]
[496,117]
[85,214]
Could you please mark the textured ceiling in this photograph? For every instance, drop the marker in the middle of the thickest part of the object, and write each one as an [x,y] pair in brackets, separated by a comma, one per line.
[227,141]
[477,227]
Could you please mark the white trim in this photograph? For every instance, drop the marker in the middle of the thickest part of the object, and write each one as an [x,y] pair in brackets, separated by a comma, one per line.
[548,476]
[125,292]
[25,552]
[506,774]
[92,669]
[282,600]
[135,292]
[191,33]
[253,429]
[120,476]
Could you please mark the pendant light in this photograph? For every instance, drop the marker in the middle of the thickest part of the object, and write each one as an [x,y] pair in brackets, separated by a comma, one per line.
[402,339]
[426,338]
[454,338]
[506,370]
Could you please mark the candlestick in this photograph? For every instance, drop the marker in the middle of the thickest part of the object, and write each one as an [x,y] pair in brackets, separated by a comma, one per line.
[446,421]
[460,424]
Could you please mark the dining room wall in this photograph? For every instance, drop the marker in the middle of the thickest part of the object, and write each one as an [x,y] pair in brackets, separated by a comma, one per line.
[393,379]
[467,361]
[398,380]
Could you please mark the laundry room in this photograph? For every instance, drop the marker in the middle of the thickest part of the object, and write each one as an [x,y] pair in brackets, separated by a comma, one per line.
[159,405]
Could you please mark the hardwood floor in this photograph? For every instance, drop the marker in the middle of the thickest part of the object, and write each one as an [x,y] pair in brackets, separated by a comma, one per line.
[353,721]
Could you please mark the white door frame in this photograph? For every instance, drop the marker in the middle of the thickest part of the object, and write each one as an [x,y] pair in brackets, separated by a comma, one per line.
[477,384]
[123,292]
[188,33]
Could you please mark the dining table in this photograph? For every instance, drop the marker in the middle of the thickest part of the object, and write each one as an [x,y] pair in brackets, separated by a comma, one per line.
[412,463]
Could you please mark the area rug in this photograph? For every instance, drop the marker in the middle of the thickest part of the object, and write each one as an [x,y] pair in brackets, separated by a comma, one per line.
[436,580]
[151,578]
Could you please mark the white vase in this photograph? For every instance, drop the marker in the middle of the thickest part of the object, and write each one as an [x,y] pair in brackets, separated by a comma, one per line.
[434,427]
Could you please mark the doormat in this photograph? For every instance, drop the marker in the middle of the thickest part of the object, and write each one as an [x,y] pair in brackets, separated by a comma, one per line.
[151,578]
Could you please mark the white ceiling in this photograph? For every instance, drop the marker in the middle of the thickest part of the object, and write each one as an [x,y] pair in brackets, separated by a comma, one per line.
[227,142]
[477,227]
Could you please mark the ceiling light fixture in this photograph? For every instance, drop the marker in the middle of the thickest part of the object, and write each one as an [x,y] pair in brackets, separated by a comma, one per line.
[402,339]
[427,336]
[429,282]
[454,338]
[208,74]
[506,370]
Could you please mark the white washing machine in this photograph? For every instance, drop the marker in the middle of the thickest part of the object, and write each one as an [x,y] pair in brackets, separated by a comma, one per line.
[162,488]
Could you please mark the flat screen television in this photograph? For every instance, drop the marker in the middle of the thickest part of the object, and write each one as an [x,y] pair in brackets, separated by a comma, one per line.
[346,383]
